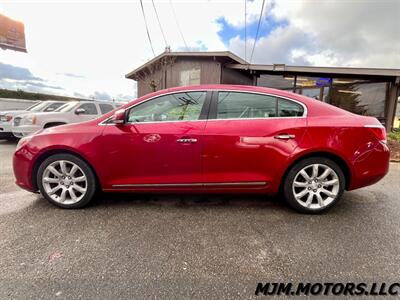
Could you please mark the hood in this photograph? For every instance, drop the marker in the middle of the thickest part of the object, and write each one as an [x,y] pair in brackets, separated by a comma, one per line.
[47,114]
[13,112]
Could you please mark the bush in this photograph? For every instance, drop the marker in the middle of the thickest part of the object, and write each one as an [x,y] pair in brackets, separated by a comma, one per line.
[394,136]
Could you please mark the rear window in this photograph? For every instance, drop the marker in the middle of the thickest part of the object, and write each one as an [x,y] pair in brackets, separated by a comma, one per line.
[287,108]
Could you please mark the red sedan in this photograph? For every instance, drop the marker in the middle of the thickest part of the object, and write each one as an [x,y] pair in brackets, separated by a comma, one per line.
[215,138]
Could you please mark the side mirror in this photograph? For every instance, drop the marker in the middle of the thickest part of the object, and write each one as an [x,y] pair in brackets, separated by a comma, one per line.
[79,111]
[118,117]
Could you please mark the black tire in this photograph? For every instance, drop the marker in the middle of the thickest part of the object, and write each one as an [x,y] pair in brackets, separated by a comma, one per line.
[291,175]
[91,187]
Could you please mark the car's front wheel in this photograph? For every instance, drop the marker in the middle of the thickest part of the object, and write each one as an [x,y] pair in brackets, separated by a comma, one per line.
[314,185]
[66,181]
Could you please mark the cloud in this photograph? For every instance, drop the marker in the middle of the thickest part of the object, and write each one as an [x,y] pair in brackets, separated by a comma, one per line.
[100,96]
[71,75]
[325,33]
[341,33]
[16,73]
[14,77]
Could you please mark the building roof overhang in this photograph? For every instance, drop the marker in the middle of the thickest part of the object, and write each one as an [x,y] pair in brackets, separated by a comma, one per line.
[224,55]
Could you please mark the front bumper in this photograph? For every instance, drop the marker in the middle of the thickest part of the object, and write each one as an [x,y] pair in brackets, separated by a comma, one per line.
[23,167]
[25,130]
[5,130]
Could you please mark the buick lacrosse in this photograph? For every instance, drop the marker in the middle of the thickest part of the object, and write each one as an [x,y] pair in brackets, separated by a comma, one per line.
[208,139]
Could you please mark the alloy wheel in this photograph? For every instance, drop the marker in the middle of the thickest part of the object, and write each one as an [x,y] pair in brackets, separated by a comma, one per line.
[64,182]
[316,186]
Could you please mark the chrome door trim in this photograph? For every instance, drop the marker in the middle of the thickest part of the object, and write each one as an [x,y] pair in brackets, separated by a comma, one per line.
[305,113]
[197,184]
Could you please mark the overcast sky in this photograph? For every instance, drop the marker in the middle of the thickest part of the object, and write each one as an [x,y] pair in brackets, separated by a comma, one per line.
[84,48]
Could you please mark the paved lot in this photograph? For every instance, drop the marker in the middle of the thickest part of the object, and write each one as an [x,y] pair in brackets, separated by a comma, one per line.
[135,246]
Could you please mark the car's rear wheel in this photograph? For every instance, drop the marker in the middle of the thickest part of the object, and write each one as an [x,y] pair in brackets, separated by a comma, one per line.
[314,185]
[66,181]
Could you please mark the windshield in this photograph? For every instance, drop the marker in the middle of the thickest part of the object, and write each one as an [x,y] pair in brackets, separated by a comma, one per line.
[32,106]
[67,107]
[40,107]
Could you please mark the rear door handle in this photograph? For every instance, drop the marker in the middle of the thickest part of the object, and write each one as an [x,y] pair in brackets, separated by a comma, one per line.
[187,140]
[284,136]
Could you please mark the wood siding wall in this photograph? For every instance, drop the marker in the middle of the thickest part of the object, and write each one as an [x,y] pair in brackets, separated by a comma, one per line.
[169,76]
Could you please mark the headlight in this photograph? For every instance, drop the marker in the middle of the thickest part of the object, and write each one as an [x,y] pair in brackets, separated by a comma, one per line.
[5,118]
[23,142]
[29,120]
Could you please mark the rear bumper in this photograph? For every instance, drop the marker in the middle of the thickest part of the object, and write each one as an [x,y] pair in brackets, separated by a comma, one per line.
[370,164]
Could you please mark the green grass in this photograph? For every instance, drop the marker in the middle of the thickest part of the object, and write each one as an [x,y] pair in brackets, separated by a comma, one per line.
[394,136]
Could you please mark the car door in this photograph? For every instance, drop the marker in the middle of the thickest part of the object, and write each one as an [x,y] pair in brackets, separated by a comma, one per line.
[160,145]
[249,137]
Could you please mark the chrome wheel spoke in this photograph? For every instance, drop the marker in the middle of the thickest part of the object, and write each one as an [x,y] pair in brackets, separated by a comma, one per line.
[309,199]
[330,182]
[320,200]
[51,180]
[78,188]
[302,193]
[72,194]
[54,190]
[73,170]
[63,167]
[328,193]
[63,194]
[305,175]
[299,184]
[324,174]
[54,171]
[314,171]
[79,179]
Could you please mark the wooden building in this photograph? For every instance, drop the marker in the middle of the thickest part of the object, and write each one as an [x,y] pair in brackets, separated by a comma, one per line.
[367,91]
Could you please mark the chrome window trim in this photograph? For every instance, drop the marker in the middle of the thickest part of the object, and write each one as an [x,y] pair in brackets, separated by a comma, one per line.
[305,112]
[199,184]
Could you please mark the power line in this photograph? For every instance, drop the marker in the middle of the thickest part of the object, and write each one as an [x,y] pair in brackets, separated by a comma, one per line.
[147,28]
[258,28]
[177,24]
[159,24]
[245,29]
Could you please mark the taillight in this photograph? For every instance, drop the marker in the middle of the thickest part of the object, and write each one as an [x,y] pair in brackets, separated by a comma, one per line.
[379,131]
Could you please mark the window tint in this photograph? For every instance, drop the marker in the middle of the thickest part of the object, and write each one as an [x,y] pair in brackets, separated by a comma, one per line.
[105,108]
[234,105]
[90,109]
[54,106]
[174,107]
[288,108]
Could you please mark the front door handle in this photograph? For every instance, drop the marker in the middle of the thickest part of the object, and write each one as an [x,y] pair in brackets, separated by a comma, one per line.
[187,140]
[284,136]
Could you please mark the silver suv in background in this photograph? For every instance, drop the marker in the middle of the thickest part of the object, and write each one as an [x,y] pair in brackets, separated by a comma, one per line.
[7,117]
[71,112]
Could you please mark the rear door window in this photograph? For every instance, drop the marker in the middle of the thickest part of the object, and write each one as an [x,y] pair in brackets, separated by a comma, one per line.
[90,109]
[105,108]
[54,106]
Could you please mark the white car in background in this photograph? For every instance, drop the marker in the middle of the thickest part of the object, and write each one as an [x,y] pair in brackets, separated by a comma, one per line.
[7,117]
[71,112]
